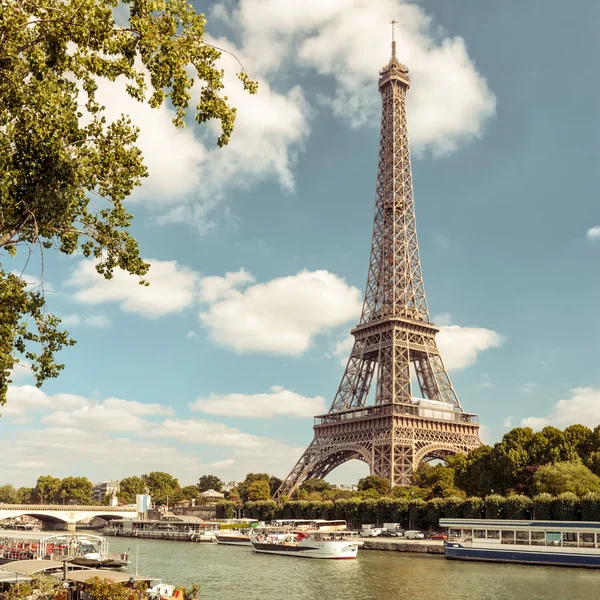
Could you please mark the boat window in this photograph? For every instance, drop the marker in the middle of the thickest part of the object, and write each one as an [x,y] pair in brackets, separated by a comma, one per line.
[508,537]
[569,538]
[493,534]
[586,540]
[454,533]
[467,534]
[479,534]
[538,538]
[522,537]
[553,538]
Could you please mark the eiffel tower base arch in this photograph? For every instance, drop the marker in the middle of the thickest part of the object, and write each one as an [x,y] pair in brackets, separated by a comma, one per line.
[390,442]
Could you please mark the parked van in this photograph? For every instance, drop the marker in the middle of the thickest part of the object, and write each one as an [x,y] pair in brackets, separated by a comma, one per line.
[414,535]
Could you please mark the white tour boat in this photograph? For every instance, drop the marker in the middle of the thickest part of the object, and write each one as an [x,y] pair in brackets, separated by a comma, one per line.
[309,544]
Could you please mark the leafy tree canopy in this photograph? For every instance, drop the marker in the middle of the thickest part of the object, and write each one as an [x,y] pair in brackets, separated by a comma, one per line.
[563,477]
[190,492]
[374,482]
[8,494]
[75,490]
[210,482]
[129,488]
[65,170]
[46,490]
[315,485]
[258,490]
[163,487]
[242,487]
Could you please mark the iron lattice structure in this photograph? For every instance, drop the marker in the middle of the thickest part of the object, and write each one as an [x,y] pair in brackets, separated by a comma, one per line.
[394,431]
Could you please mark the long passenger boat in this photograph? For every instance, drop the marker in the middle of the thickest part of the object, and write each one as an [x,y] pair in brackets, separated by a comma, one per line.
[561,543]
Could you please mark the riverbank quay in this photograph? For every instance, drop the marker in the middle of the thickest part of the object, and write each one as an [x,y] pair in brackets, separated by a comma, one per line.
[401,545]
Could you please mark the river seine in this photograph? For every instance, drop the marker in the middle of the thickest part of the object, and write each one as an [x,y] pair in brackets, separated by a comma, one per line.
[237,573]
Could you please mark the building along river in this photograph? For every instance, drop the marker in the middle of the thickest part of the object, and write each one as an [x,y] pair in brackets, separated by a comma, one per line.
[237,573]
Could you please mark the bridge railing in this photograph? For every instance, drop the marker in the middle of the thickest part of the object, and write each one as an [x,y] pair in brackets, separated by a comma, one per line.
[67,507]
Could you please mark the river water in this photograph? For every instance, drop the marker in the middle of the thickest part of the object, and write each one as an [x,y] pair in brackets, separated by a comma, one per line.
[237,573]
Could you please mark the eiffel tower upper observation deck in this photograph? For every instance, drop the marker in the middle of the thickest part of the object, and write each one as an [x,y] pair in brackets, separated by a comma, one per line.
[394,431]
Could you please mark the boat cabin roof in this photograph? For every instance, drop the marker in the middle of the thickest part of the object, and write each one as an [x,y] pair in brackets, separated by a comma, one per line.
[518,524]
[29,567]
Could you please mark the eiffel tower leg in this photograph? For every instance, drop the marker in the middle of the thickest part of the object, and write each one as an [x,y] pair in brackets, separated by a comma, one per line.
[318,461]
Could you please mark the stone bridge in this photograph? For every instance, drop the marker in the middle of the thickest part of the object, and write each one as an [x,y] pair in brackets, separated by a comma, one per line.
[64,516]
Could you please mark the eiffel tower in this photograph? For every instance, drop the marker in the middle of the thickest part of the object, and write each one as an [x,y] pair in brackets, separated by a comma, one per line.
[394,431]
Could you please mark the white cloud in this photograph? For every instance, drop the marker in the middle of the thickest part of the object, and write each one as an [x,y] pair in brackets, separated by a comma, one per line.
[172,288]
[460,346]
[217,288]
[593,233]
[343,348]
[96,417]
[136,408]
[348,40]
[21,370]
[280,402]
[527,388]
[583,406]
[24,399]
[508,421]
[283,314]
[76,320]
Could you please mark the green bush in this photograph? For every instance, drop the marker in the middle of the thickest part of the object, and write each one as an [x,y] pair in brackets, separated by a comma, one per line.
[494,506]
[472,508]
[384,510]
[400,512]
[517,506]
[590,507]
[353,511]
[434,510]
[542,507]
[417,514]
[327,510]
[368,512]
[453,508]
[225,509]
[565,507]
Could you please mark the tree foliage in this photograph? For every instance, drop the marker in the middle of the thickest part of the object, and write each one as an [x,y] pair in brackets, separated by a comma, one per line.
[374,482]
[210,482]
[8,494]
[46,490]
[258,490]
[75,490]
[65,170]
[563,477]
[163,487]
[129,488]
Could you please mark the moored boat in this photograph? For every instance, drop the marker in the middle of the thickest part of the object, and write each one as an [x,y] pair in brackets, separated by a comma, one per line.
[234,537]
[309,544]
[77,549]
[560,543]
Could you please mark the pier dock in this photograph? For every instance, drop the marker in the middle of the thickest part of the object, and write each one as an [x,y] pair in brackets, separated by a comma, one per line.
[402,545]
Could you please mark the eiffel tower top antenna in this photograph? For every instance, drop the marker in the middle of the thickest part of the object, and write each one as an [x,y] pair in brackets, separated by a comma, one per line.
[393,23]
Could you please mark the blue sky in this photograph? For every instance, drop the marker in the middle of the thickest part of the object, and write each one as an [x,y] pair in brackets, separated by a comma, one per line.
[208,372]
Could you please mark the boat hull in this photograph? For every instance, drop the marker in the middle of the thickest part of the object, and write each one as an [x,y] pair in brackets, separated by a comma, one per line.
[234,540]
[322,550]
[456,551]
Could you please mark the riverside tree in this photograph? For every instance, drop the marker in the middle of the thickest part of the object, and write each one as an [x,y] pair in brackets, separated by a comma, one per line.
[210,482]
[65,171]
